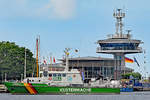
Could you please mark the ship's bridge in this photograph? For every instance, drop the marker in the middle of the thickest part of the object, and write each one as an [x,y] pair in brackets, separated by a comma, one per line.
[120,44]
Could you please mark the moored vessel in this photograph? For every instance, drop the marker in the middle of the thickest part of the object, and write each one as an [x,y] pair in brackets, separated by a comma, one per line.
[63,82]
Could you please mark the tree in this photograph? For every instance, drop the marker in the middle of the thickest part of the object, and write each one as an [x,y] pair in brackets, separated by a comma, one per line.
[12,59]
[134,74]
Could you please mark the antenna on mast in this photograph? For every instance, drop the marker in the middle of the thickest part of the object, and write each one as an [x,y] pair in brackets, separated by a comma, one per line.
[128,33]
[67,55]
[119,14]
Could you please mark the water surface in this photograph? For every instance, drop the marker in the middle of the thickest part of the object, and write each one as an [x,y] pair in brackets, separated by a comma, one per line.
[122,96]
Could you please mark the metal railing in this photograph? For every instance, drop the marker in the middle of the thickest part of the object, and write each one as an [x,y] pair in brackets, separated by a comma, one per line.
[119,36]
[118,49]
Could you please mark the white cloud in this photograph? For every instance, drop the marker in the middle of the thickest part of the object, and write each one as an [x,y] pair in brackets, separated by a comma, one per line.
[62,9]
[59,9]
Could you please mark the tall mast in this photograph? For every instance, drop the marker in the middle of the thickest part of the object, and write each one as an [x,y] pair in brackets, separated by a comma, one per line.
[37,56]
[119,15]
[67,55]
[25,65]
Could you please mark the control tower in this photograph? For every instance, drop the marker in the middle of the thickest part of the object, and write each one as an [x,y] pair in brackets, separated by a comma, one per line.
[119,44]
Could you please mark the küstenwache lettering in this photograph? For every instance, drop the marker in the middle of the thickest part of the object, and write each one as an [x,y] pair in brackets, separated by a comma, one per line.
[75,90]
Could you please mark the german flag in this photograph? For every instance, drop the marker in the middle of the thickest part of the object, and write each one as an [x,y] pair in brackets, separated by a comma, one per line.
[128,60]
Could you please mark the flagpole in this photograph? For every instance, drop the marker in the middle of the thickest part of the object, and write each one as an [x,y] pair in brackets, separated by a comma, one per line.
[37,56]
[124,65]
[51,61]
[145,63]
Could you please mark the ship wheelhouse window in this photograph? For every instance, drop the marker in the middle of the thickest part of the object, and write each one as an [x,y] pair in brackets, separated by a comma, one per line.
[45,73]
[54,75]
[59,74]
[50,75]
[64,75]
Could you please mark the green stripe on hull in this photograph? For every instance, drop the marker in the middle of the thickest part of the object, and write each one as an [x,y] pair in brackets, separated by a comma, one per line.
[45,89]
[15,87]
[76,90]
[19,89]
[105,90]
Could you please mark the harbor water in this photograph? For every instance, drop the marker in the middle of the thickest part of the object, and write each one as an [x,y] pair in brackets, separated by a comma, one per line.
[122,96]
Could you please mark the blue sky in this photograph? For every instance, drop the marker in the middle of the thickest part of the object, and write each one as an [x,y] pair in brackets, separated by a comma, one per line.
[72,23]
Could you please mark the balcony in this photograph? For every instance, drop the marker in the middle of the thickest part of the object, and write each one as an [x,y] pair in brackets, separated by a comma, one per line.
[111,50]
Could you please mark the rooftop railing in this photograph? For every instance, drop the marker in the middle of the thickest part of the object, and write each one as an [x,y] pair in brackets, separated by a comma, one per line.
[128,36]
[113,49]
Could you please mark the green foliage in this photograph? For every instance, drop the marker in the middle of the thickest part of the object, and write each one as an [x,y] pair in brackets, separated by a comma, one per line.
[134,74]
[12,59]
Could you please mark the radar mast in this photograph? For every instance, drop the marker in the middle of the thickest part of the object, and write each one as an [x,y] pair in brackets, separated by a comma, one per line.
[119,14]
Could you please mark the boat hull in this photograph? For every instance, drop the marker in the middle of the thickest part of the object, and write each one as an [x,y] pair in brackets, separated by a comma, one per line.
[28,88]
